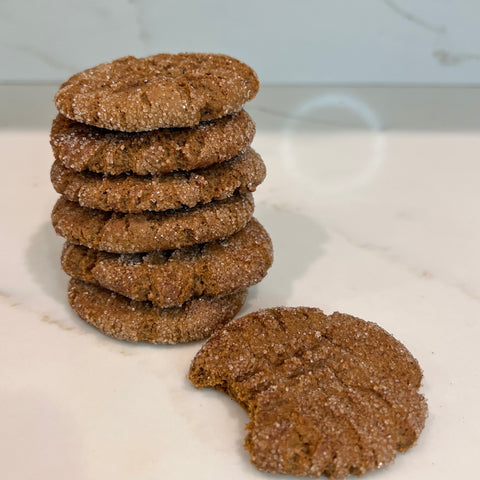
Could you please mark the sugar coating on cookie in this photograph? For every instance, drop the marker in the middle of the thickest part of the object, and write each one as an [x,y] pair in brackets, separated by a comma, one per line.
[175,276]
[151,231]
[140,94]
[125,319]
[84,147]
[326,394]
[135,193]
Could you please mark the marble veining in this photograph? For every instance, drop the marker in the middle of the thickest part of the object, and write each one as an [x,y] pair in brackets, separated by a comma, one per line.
[438,29]
[427,42]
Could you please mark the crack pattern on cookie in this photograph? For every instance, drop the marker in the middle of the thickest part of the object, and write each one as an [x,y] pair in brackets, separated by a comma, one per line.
[139,94]
[83,147]
[136,194]
[172,277]
[150,231]
[125,319]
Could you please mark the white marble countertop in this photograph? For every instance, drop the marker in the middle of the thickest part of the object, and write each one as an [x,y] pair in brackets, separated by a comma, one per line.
[372,201]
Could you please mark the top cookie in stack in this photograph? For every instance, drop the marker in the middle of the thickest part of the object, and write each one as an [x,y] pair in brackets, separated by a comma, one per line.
[155,168]
[162,91]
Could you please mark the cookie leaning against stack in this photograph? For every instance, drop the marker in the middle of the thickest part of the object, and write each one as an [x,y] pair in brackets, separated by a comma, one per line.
[154,165]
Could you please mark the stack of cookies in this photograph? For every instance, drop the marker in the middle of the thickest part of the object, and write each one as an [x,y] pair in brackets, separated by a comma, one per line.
[154,165]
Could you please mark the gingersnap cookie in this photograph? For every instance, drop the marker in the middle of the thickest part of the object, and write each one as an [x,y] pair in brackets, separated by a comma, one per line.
[83,147]
[139,94]
[125,319]
[326,394]
[134,194]
[173,277]
[149,231]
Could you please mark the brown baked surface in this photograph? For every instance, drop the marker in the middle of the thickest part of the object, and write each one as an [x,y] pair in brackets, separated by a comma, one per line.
[126,319]
[150,231]
[83,147]
[326,394]
[173,277]
[135,194]
[139,94]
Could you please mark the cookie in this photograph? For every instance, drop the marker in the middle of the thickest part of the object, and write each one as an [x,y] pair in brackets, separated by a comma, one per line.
[83,147]
[150,231]
[125,319]
[326,394]
[174,277]
[140,94]
[134,193]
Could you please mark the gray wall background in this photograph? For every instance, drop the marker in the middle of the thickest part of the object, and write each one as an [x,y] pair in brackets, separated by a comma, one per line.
[286,41]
